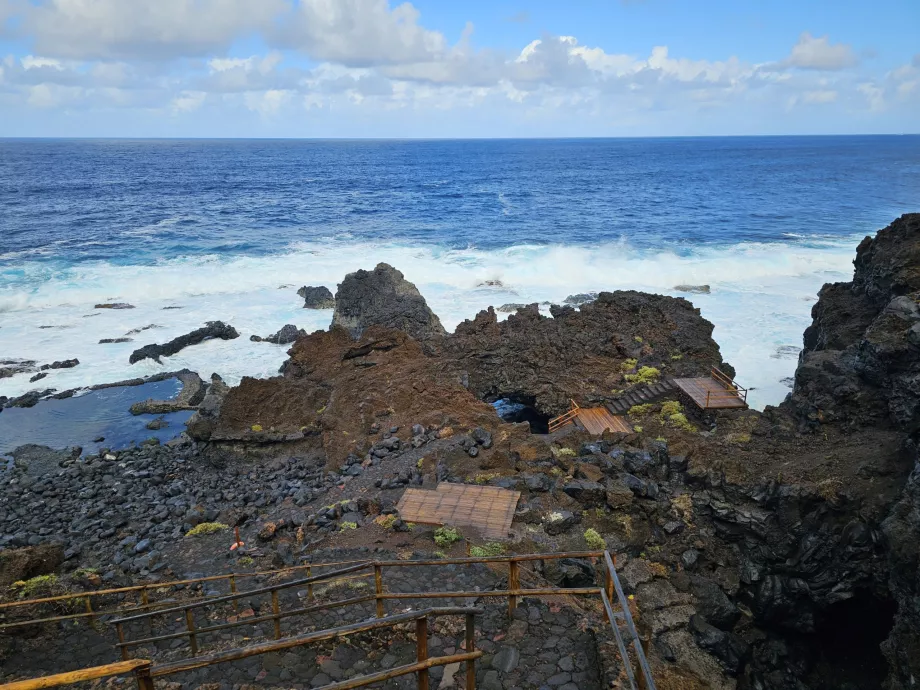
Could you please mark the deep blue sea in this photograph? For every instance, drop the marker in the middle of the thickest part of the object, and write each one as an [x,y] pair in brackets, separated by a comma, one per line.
[230,229]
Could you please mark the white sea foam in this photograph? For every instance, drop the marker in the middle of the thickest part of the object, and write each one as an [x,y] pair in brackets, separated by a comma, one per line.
[761,300]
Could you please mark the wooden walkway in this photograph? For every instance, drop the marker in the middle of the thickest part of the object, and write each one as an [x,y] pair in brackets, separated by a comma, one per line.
[489,509]
[594,420]
[714,392]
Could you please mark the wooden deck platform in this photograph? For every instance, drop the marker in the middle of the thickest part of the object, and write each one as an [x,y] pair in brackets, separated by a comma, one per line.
[594,420]
[712,394]
[489,509]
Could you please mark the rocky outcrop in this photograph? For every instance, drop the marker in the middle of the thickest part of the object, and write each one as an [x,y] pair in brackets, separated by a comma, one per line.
[580,353]
[64,364]
[861,362]
[213,329]
[383,297]
[191,395]
[316,297]
[287,335]
[114,305]
[201,424]
[12,367]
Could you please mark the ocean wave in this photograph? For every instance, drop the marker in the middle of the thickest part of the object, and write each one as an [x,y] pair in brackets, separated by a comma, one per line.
[759,298]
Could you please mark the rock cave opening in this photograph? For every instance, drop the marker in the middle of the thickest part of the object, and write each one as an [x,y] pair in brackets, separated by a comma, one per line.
[520,408]
[846,643]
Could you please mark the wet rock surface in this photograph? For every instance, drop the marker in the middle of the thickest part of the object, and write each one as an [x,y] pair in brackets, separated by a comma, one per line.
[316,297]
[214,329]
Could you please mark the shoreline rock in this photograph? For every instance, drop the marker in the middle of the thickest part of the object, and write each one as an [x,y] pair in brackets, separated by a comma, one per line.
[316,297]
[213,329]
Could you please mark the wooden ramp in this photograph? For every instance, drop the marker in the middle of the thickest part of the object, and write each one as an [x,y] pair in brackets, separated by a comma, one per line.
[594,420]
[597,420]
[488,509]
[714,392]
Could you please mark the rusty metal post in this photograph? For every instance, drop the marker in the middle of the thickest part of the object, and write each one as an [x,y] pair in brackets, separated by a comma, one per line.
[310,584]
[276,610]
[121,639]
[144,680]
[145,601]
[236,606]
[192,638]
[608,579]
[513,584]
[378,584]
[89,609]
[421,642]
[470,647]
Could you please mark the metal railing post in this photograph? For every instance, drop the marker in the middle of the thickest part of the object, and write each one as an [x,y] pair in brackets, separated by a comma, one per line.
[470,647]
[378,586]
[192,638]
[513,584]
[144,680]
[276,610]
[120,631]
[421,643]
[89,609]
[310,585]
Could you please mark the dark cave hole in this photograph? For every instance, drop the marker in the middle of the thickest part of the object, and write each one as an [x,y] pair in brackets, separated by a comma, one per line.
[520,408]
[846,643]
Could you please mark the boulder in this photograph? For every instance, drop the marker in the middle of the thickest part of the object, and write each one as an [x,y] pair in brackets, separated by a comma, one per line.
[569,572]
[213,329]
[287,335]
[586,492]
[558,522]
[65,364]
[383,297]
[695,289]
[12,367]
[713,604]
[728,648]
[29,562]
[579,299]
[316,297]
[114,305]
[201,424]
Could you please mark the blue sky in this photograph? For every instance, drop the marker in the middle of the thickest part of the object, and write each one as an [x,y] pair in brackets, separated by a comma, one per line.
[431,68]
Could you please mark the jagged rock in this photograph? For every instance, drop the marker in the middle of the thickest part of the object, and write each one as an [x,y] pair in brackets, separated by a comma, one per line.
[538,482]
[579,299]
[617,494]
[38,377]
[569,572]
[157,424]
[510,308]
[213,329]
[29,562]
[383,297]
[586,492]
[730,649]
[201,424]
[114,305]
[192,393]
[316,297]
[111,341]
[65,364]
[696,289]
[12,367]
[558,522]
[30,399]
[713,604]
[287,335]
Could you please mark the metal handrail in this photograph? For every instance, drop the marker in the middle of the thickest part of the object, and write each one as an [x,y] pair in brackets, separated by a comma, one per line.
[630,624]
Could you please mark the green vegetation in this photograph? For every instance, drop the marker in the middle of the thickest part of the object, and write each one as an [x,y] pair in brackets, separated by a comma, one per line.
[386,521]
[487,550]
[321,410]
[639,339]
[246,561]
[256,427]
[445,537]
[670,407]
[421,461]
[36,586]
[563,452]
[594,540]
[637,410]
[348,525]
[628,364]
[677,357]
[637,429]
[485,477]
[440,554]
[83,573]
[644,375]
[206,528]
[680,421]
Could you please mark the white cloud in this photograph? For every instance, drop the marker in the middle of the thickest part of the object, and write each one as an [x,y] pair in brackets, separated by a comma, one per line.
[152,29]
[268,102]
[32,62]
[820,54]
[188,101]
[820,96]
[358,33]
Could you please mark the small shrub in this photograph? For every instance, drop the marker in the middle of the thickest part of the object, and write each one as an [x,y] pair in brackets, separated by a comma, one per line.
[421,461]
[563,452]
[445,537]
[440,554]
[321,410]
[485,477]
[256,427]
[639,339]
[206,528]
[594,540]
[487,550]
[637,410]
[739,438]
[624,522]
[386,521]
[29,589]
[677,357]
[637,429]
[670,407]
[644,375]
[658,569]
[680,421]
[83,573]
[246,561]
[628,364]
[357,584]
[348,525]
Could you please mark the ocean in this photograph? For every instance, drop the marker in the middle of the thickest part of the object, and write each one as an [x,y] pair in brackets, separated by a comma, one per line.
[229,230]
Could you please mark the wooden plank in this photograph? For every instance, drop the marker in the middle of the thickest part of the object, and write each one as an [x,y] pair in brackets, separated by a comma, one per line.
[490,509]
[597,420]
[719,397]
[78,676]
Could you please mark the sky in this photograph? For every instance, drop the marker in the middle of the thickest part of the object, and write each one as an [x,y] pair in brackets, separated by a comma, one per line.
[440,68]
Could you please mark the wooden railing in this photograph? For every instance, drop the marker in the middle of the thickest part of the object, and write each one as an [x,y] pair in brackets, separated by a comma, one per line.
[420,667]
[513,593]
[85,598]
[140,668]
[612,588]
[557,423]
[732,390]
